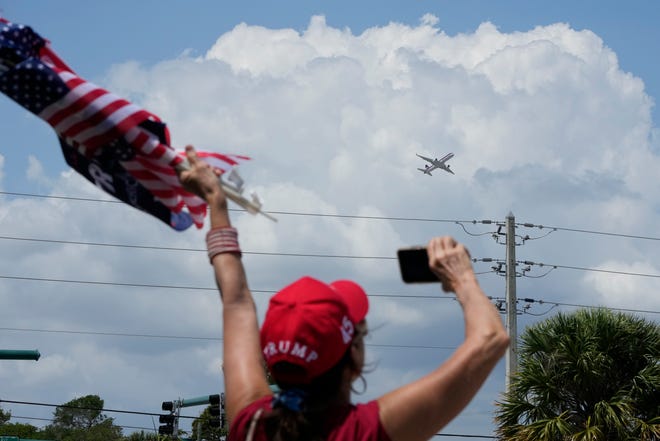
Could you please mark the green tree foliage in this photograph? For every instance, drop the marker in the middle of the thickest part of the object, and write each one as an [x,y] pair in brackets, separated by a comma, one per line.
[80,413]
[23,431]
[4,416]
[588,376]
[17,429]
[81,419]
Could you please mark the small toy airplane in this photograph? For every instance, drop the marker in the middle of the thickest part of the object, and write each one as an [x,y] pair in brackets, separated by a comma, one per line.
[233,188]
[436,163]
[232,185]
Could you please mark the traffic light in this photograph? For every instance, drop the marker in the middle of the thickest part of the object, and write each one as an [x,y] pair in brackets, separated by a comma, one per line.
[168,424]
[214,410]
[168,421]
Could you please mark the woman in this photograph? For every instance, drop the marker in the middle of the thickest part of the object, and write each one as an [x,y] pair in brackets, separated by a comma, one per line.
[312,344]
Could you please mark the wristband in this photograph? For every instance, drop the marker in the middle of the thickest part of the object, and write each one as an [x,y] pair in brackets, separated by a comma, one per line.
[222,240]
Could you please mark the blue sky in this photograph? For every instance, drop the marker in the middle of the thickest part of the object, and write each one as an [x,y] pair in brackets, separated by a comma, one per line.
[152,30]
[555,123]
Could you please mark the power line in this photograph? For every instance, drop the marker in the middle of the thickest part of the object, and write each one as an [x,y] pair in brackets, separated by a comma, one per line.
[392,218]
[132,412]
[578,230]
[151,429]
[183,287]
[553,266]
[69,198]
[200,288]
[112,334]
[183,337]
[318,255]
[625,273]
[606,307]
[288,213]
[148,247]
[575,305]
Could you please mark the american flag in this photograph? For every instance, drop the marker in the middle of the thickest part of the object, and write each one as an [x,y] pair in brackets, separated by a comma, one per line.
[122,148]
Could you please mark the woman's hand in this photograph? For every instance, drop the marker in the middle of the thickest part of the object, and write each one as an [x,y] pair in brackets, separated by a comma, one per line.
[450,261]
[202,179]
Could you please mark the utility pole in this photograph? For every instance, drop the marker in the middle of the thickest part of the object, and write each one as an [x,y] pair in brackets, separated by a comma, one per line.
[511,302]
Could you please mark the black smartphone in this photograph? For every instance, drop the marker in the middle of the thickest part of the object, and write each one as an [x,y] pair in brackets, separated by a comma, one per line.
[414,265]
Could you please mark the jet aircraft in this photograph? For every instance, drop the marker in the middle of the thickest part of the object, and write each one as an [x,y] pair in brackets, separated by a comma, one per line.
[436,163]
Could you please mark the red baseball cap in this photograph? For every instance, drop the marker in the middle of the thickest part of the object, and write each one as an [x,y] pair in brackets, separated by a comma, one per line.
[311,324]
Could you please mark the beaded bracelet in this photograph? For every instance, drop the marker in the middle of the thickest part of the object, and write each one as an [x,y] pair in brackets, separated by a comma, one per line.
[222,240]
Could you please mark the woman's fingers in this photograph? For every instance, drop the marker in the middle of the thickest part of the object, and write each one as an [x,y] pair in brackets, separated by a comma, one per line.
[449,260]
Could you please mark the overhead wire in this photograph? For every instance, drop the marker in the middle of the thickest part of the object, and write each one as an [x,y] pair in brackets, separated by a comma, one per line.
[183,287]
[186,337]
[288,213]
[198,288]
[603,233]
[150,429]
[576,305]
[66,406]
[599,270]
[317,255]
[393,218]
[151,247]
[553,266]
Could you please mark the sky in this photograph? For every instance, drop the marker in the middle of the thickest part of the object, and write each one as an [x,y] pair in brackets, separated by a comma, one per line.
[549,108]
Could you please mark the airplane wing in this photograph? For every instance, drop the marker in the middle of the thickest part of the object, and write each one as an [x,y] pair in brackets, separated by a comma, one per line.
[425,158]
[447,157]
[437,162]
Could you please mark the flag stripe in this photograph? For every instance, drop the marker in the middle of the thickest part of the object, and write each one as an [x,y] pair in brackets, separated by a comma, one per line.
[150,146]
[113,126]
[107,104]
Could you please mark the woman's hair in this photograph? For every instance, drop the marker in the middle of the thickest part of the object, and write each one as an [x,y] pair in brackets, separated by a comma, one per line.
[283,424]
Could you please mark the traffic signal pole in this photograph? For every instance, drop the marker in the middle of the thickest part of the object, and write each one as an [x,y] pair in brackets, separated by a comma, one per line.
[170,421]
[11,354]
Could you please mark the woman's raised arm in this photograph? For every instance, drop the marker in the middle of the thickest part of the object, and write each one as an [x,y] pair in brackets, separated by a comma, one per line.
[243,365]
[420,409]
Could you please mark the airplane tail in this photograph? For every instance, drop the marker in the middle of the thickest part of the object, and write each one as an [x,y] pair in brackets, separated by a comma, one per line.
[425,171]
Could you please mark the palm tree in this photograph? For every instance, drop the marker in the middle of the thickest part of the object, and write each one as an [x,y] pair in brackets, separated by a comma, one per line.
[588,376]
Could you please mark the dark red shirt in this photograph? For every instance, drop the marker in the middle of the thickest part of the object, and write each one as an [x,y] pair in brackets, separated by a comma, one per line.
[347,423]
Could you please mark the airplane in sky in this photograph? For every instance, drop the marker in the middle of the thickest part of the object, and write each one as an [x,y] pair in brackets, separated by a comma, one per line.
[436,163]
